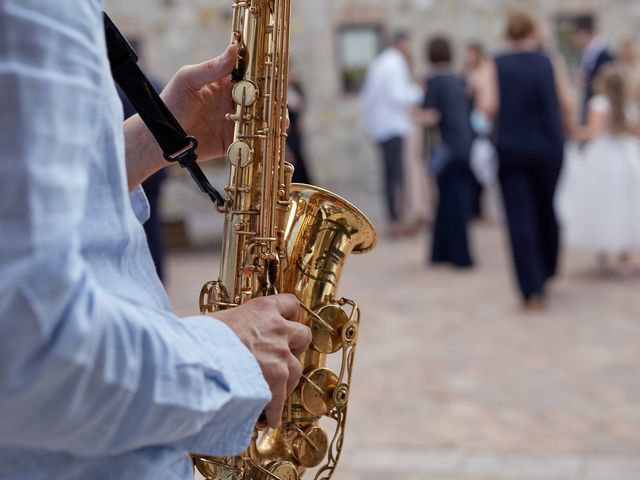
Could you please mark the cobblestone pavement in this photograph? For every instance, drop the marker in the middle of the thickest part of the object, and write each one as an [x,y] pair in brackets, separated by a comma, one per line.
[454,382]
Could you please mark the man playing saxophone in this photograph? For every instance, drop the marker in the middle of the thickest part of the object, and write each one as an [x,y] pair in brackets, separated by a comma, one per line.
[98,378]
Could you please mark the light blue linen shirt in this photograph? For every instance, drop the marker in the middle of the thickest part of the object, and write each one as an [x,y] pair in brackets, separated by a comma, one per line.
[98,379]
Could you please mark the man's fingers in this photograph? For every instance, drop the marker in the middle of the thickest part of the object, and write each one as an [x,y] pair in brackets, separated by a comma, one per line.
[299,335]
[282,386]
[288,306]
[201,74]
[295,372]
[274,409]
[299,338]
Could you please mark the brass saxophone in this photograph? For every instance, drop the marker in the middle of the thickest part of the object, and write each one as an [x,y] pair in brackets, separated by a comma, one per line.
[281,237]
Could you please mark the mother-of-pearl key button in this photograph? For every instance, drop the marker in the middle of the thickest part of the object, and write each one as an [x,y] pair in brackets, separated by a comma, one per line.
[245,93]
[240,154]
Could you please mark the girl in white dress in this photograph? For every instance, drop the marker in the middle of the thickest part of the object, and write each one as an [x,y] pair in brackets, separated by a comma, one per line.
[603,188]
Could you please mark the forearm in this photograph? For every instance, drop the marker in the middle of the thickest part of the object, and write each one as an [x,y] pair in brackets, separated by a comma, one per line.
[401,89]
[405,94]
[487,101]
[582,133]
[596,125]
[137,376]
[429,117]
[143,155]
[87,366]
[564,95]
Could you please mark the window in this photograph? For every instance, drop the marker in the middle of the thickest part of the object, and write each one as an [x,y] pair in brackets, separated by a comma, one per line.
[357,47]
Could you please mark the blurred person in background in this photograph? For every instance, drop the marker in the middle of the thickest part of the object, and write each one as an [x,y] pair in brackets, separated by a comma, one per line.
[604,189]
[295,134]
[630,68]
[387,98]
[417,199]
[530,146]
[446,107]
[152,186]
[480,77]
[595,55]
[480,73]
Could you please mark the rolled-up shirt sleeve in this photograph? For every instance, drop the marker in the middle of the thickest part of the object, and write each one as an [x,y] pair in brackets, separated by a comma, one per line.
[82,369]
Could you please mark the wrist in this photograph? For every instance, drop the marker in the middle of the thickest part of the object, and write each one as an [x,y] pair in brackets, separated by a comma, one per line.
[143,155]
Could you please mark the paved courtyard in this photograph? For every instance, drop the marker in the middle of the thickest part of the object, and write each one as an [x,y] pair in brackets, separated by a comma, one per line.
[454,382]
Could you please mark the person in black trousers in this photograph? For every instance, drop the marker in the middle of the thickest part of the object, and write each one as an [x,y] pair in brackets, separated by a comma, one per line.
[447,107]
[387,99]
[530,146]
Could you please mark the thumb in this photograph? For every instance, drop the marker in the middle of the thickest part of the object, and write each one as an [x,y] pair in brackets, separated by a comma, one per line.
[201,74]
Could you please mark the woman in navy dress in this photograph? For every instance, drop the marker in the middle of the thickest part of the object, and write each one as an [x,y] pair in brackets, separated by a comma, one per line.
[530,145]
[447,107]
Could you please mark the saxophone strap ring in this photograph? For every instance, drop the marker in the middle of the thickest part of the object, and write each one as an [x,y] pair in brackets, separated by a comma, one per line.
[186,156]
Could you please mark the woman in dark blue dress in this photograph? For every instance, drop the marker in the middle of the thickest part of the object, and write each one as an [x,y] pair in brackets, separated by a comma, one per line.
[530,145]
[447,107]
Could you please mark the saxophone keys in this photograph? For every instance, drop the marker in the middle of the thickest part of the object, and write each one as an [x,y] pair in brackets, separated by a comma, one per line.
[327,329]
[233,117]
[211,296]
[310,446]
[220,469]
[317,391]
[280,470]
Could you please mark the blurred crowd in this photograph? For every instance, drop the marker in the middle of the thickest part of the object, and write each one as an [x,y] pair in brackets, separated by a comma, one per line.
[562,147]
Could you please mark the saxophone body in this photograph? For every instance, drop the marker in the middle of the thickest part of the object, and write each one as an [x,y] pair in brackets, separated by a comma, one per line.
[281,237]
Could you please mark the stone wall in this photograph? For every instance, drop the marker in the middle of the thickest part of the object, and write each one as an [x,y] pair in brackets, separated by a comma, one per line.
[180,31]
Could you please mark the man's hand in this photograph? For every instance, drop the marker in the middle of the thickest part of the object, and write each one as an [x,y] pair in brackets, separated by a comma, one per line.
[268,328]
[199,96]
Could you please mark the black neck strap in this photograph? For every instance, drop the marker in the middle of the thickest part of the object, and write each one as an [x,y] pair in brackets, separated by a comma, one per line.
[176,145]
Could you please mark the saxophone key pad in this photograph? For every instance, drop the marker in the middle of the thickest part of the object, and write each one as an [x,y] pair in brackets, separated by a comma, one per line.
[281,470]
[220,469]
[311,446]
[317,391]
[245,93]
[327,331]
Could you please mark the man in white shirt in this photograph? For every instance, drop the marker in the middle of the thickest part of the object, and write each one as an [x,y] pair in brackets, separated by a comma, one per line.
[387,98]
